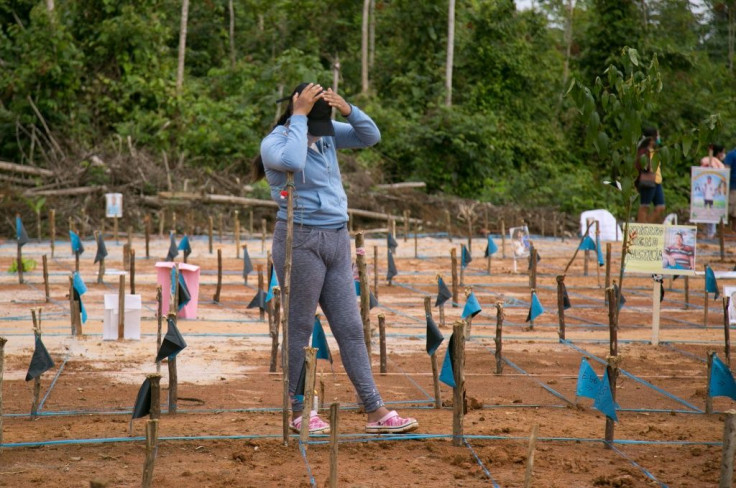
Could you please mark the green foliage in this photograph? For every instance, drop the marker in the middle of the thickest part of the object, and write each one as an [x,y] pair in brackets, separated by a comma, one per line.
[28,265]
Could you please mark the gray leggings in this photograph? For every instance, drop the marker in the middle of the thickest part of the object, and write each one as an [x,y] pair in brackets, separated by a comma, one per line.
[322,273]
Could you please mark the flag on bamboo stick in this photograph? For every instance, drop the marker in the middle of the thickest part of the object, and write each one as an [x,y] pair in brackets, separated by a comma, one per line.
[185,246]
[604,401]
[173,342]
[491,247]
[101,249]
[391,266]
[434,336]
[587,244]
[536,309]
[77,247]
[372,300]
[447,373]
[391,242]
[472,307]
[319,341]
[247,264]
[301,384]
[465,257]
[142,406]
[20,232]
[443,293]
[40,361]
[259,301]
[173,248]
[274,282]
[79,289]
[711,285]
[599,251]
[721,382]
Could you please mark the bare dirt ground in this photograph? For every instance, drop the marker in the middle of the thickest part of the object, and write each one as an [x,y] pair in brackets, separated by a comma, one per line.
[227,431]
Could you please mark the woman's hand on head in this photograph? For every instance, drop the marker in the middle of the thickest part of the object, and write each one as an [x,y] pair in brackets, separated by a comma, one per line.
[336,101]
[304,101]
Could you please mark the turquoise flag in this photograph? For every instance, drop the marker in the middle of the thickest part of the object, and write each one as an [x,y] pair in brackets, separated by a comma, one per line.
[721,382]
[185,246]
[536,309]
[447,375]
[711,285]
[587,244]
[599,251]
[491,247]
[443,293]
[319,341]
[79,289]
[465,257]
[20,232]
[173,248]
[271,284]
[77,247]
[604,401]
[588,382]
[391,266]
[434,336]
[472,307]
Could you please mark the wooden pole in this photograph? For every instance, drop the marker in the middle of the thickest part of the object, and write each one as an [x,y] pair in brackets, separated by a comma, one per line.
[250,221]
[722,239]
[159,321]
[656,290]
[286,290]
[121,308]
[52,230]
[458,393]
[132,271]
[433,359]
[237,234]
[612,367]
[533,267]
[608,271]
[503,239]
[101,267]
[708,397]
[46,278]
[334,433]
[365,305]
[530,456]
[705,308]
[448,224]
[72,302]
[115,229]
[210,231]
[597,243]
[310,363]
[727,331]
[130,241]
[216,298]
[261,312]
[147,230]
[19,259]
[462,271]
[416,241]
[220,227]
[264,228]
[382,341]
[273,328]
[37,380]
[375,272]
[161,223]
[3,340]
[729,449]
[126,256]
[155,380]
[561,306]
[469,320]
[151,450]
[453,260]
[406,225]
[499,337]
[687,292]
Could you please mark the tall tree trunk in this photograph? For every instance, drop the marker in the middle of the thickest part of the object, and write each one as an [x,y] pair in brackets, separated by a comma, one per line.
[731,33]
[232,32]
[450,52]
[568,43]
[372,36]
[182,45]
[50,5]
[365,87]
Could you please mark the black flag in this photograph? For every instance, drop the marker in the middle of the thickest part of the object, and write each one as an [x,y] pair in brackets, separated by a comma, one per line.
[101,249]
[434,336]
[391,242]
[259,301]
[565,297]
[300,385]
[443,293]
[142,405]
[173,248]
[173,342]
[391,266]
[247,265]
[40,362]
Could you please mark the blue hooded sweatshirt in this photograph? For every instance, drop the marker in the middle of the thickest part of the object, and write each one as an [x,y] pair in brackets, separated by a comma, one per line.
[319,197]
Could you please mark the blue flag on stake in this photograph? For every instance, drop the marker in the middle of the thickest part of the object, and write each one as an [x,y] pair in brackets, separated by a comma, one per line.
[79,289]
[247,264]
[40,361]
[721,382]
[77,247]
[604,401]
[301,384]
[447,375]
[599,251]
[491,247]
[536,309]
[588,382]
[259,301]
[172,343]
[465,257]
[587,244]
[20,232]
[472,307]
[185,246]
[184,296]
[173,248]
[391,266]
[372,300]
[319,341]
[142,406]
[443,293]
[622,299]
[434,336]
[565,297]
[711,285]
[391,242]
[274,282]
[101,249]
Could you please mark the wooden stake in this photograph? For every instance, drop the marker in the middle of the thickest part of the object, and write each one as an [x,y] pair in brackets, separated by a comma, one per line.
[73,307]
[530,456]
[159,321]
[250,221]
[286,289]
[687,292]
[132,271]
[499,337]
[101,267]
[365,305]
[406,225]
[433,359]
[708,397]
[147,230]
[216,298]
[3,340]
[462,272]
[722,239]
[561,306]
[612,368]
[705,308]
[382,341]
[237,234]
[727,331]
[46,278]
[503,239]
[448,224]
[416,242]
[126,256]
[155,380]
[453,260]
[19,258]
[334,433]
[52,230]
[151,450]
[273,328]
[210,232]
[220,227]
[264,228]
[597,243]
[533,267]
[37,380]
[729,449]
[608,271]
[173,384]
[458,393]
[375,272]
[130,238]
[161,223]
[469,320]
[115,229]
[121,308]
[261,312]
[310,363]
[656,290]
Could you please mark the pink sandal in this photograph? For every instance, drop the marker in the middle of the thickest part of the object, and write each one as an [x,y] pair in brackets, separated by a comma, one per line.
[316,424]
[392,424]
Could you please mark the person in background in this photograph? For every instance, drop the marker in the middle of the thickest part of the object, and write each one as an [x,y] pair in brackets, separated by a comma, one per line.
[654,195]
[712,160]
[304,141]
[730,162]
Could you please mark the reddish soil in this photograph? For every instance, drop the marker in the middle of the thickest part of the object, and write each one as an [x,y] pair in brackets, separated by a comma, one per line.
[227,431]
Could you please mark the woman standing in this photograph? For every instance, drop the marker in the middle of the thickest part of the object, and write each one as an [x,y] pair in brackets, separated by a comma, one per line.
[304,142]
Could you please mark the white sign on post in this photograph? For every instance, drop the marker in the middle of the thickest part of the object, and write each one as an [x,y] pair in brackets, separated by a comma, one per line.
[113,205]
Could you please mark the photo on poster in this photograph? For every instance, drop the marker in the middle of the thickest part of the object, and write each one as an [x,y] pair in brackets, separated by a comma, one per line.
[113,205]
[661,249]
[520,242]
[709,195]
[730,291]
[679,248]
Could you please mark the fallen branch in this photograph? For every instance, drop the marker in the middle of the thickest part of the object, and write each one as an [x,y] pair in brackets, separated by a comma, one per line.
[401,186]
[80,190]
[25,169]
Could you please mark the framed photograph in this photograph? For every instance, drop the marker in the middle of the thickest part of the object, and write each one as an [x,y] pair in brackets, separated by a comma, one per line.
[113,205]
[661,249]
[730,291]
[520,242]
[709,194]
